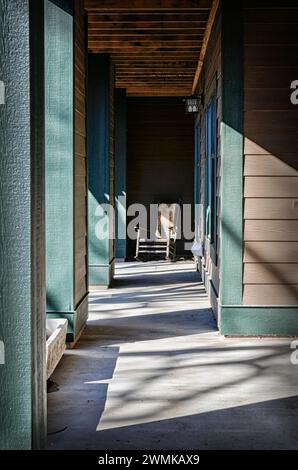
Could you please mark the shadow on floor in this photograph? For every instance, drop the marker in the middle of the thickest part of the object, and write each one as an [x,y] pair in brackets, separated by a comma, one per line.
[82,377]
[259,426]
[154,326]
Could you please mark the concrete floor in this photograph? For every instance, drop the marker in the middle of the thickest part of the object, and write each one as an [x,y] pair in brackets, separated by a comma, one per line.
[152,372]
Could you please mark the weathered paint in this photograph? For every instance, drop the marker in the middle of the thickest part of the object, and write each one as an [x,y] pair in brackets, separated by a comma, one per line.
[120,173]
[22,295]
[232,155]
[100,223]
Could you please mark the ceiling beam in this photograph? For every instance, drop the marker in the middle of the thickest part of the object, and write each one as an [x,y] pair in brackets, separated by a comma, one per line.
[149,47]
[129,74]
[214,8]
[162,56]
[103,26]
[149,17]
[143,39]
[158,92]
[134,34]
[120,5]
[163,86]
[138,67]
[155,81]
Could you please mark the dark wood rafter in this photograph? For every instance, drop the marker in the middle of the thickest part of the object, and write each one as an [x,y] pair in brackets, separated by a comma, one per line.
[214,8]
[154,44]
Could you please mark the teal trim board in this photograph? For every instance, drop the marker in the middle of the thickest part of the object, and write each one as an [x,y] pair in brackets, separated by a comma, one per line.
[120,173]
[22,299]
[259,321]
[100,246]
[232,155]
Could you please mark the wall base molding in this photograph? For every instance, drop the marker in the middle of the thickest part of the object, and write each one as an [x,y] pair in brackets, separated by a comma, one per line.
[240,320]
[101,274]
[76,319]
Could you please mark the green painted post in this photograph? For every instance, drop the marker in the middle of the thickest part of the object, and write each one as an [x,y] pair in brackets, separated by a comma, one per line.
[232,155]
[22,293]
[120,173]
[59,158]
[60,192]
[100,170]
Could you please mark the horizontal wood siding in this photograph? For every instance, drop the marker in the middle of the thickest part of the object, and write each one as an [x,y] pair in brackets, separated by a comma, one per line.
[80,178]
[271,163]
[160,153]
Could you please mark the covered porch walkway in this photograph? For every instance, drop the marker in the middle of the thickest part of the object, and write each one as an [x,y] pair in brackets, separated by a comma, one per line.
[151,371]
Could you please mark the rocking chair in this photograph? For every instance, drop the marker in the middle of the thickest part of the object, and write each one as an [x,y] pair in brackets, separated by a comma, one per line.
[164,242]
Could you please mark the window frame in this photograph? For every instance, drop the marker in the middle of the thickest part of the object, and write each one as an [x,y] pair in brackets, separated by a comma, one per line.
[210,206]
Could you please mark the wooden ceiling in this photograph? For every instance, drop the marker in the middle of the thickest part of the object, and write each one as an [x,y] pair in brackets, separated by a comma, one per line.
[155,44]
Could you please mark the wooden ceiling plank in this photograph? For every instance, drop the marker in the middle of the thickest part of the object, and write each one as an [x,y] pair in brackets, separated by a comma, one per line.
[144,58]
[97,5]
[158,91]
[148,18]
[149,47]
[138,66]
[191,27]
[154,80]
[145,34]
[128,74]
[153,72]
[148,38]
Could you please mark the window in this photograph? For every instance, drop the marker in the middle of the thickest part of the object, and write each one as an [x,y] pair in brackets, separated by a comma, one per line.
[211,177]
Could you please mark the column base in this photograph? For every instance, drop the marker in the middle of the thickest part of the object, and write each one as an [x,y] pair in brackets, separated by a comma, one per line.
[77,319]
[101,274]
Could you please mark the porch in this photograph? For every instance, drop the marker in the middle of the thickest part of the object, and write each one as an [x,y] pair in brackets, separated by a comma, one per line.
[92,115]
[151,371]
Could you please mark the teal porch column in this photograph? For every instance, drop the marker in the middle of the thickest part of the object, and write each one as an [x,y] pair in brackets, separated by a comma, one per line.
[100,169]
[120,173]
[60,169]
[22,293]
